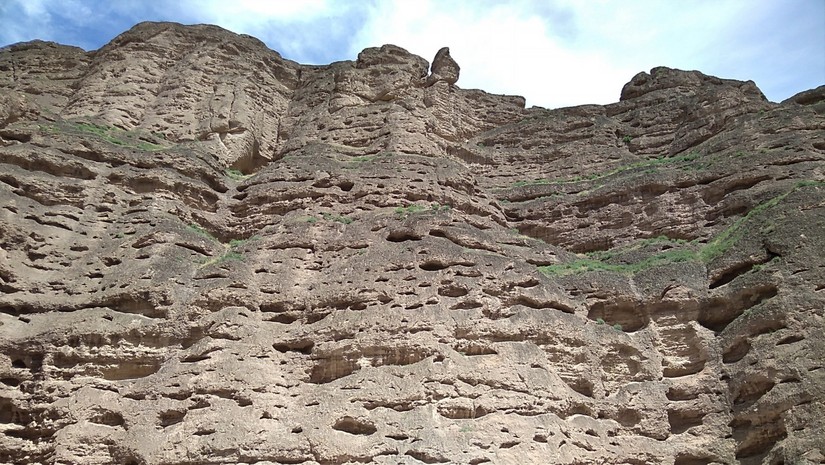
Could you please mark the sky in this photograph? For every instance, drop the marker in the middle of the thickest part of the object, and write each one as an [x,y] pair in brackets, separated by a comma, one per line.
[555,53]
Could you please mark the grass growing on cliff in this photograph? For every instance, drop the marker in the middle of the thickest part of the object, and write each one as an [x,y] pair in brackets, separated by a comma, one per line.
[201,231]
[648,164]
[231,252]
[110,134]
[236,175]
[408,210]
[695,252]
[337,218]
[588,264]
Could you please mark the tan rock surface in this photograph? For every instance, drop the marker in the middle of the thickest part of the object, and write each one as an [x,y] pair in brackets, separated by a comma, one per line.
[210,254]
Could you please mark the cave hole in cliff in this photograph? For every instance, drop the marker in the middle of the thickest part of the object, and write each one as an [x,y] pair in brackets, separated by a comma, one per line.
[403,236]
[581,385]
[130,370]
[135,304]
[107,417]
[171,417]
[251,160]
[33,363]
[738,269]
[10,382]
[473,348]
[754,442]
[330,368]
[433,265]
[629,315]
[450,289]
[303,346]
[691,459]
[354,426]
[719,312]
[790,339]
[753,388]
[736,351]
[681,420]
[9,310]
[681,392]
[628,417]
[283,318]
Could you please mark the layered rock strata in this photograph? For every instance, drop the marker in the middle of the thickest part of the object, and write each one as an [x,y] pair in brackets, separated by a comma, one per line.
[210,254]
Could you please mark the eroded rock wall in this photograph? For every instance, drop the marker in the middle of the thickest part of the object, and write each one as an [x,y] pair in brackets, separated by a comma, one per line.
[210,254]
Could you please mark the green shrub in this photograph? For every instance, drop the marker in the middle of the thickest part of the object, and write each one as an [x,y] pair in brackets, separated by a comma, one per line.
[236,175]
[644,164]
[414,208]
[198,229]
[115,136]
[337,218]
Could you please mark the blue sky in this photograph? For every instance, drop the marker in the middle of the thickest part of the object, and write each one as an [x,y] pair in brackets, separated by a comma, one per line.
[553,52]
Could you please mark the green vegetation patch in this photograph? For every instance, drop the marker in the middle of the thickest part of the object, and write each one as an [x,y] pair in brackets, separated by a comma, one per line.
[337,218]
[200,230]
[589,264]
[236,175]
[681,252]
[648,164]
[110,134]
[231,252]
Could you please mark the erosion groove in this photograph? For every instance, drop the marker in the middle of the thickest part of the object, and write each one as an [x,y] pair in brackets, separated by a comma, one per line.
[211,254]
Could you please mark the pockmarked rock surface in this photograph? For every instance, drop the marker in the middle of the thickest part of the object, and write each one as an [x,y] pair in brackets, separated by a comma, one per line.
[210,254]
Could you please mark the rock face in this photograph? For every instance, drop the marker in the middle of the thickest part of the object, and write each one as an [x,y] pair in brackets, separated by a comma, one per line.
[210,254]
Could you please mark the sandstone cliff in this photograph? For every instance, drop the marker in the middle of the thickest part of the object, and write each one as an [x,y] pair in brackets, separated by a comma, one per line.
[210,254]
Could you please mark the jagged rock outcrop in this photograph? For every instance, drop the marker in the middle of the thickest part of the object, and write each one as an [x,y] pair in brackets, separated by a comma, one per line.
[444,68]
[210,254]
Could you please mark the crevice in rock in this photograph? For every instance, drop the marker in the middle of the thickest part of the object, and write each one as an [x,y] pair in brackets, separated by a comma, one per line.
[170,417]
[681,420]
[739,269]
[303,346]
[719,312]
[427,457]
[352,425]
[736,351]
[753,442]
[691,459]
[537,304]
[403,236]
[752,388]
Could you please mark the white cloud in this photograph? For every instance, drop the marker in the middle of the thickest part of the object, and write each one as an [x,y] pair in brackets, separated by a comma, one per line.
[569,52]
[501,48]
[553,52]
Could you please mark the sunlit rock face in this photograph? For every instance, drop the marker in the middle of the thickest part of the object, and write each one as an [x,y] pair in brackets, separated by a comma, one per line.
[210,254]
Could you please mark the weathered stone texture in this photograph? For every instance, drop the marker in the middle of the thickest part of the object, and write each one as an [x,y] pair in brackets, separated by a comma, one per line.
[210,254]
